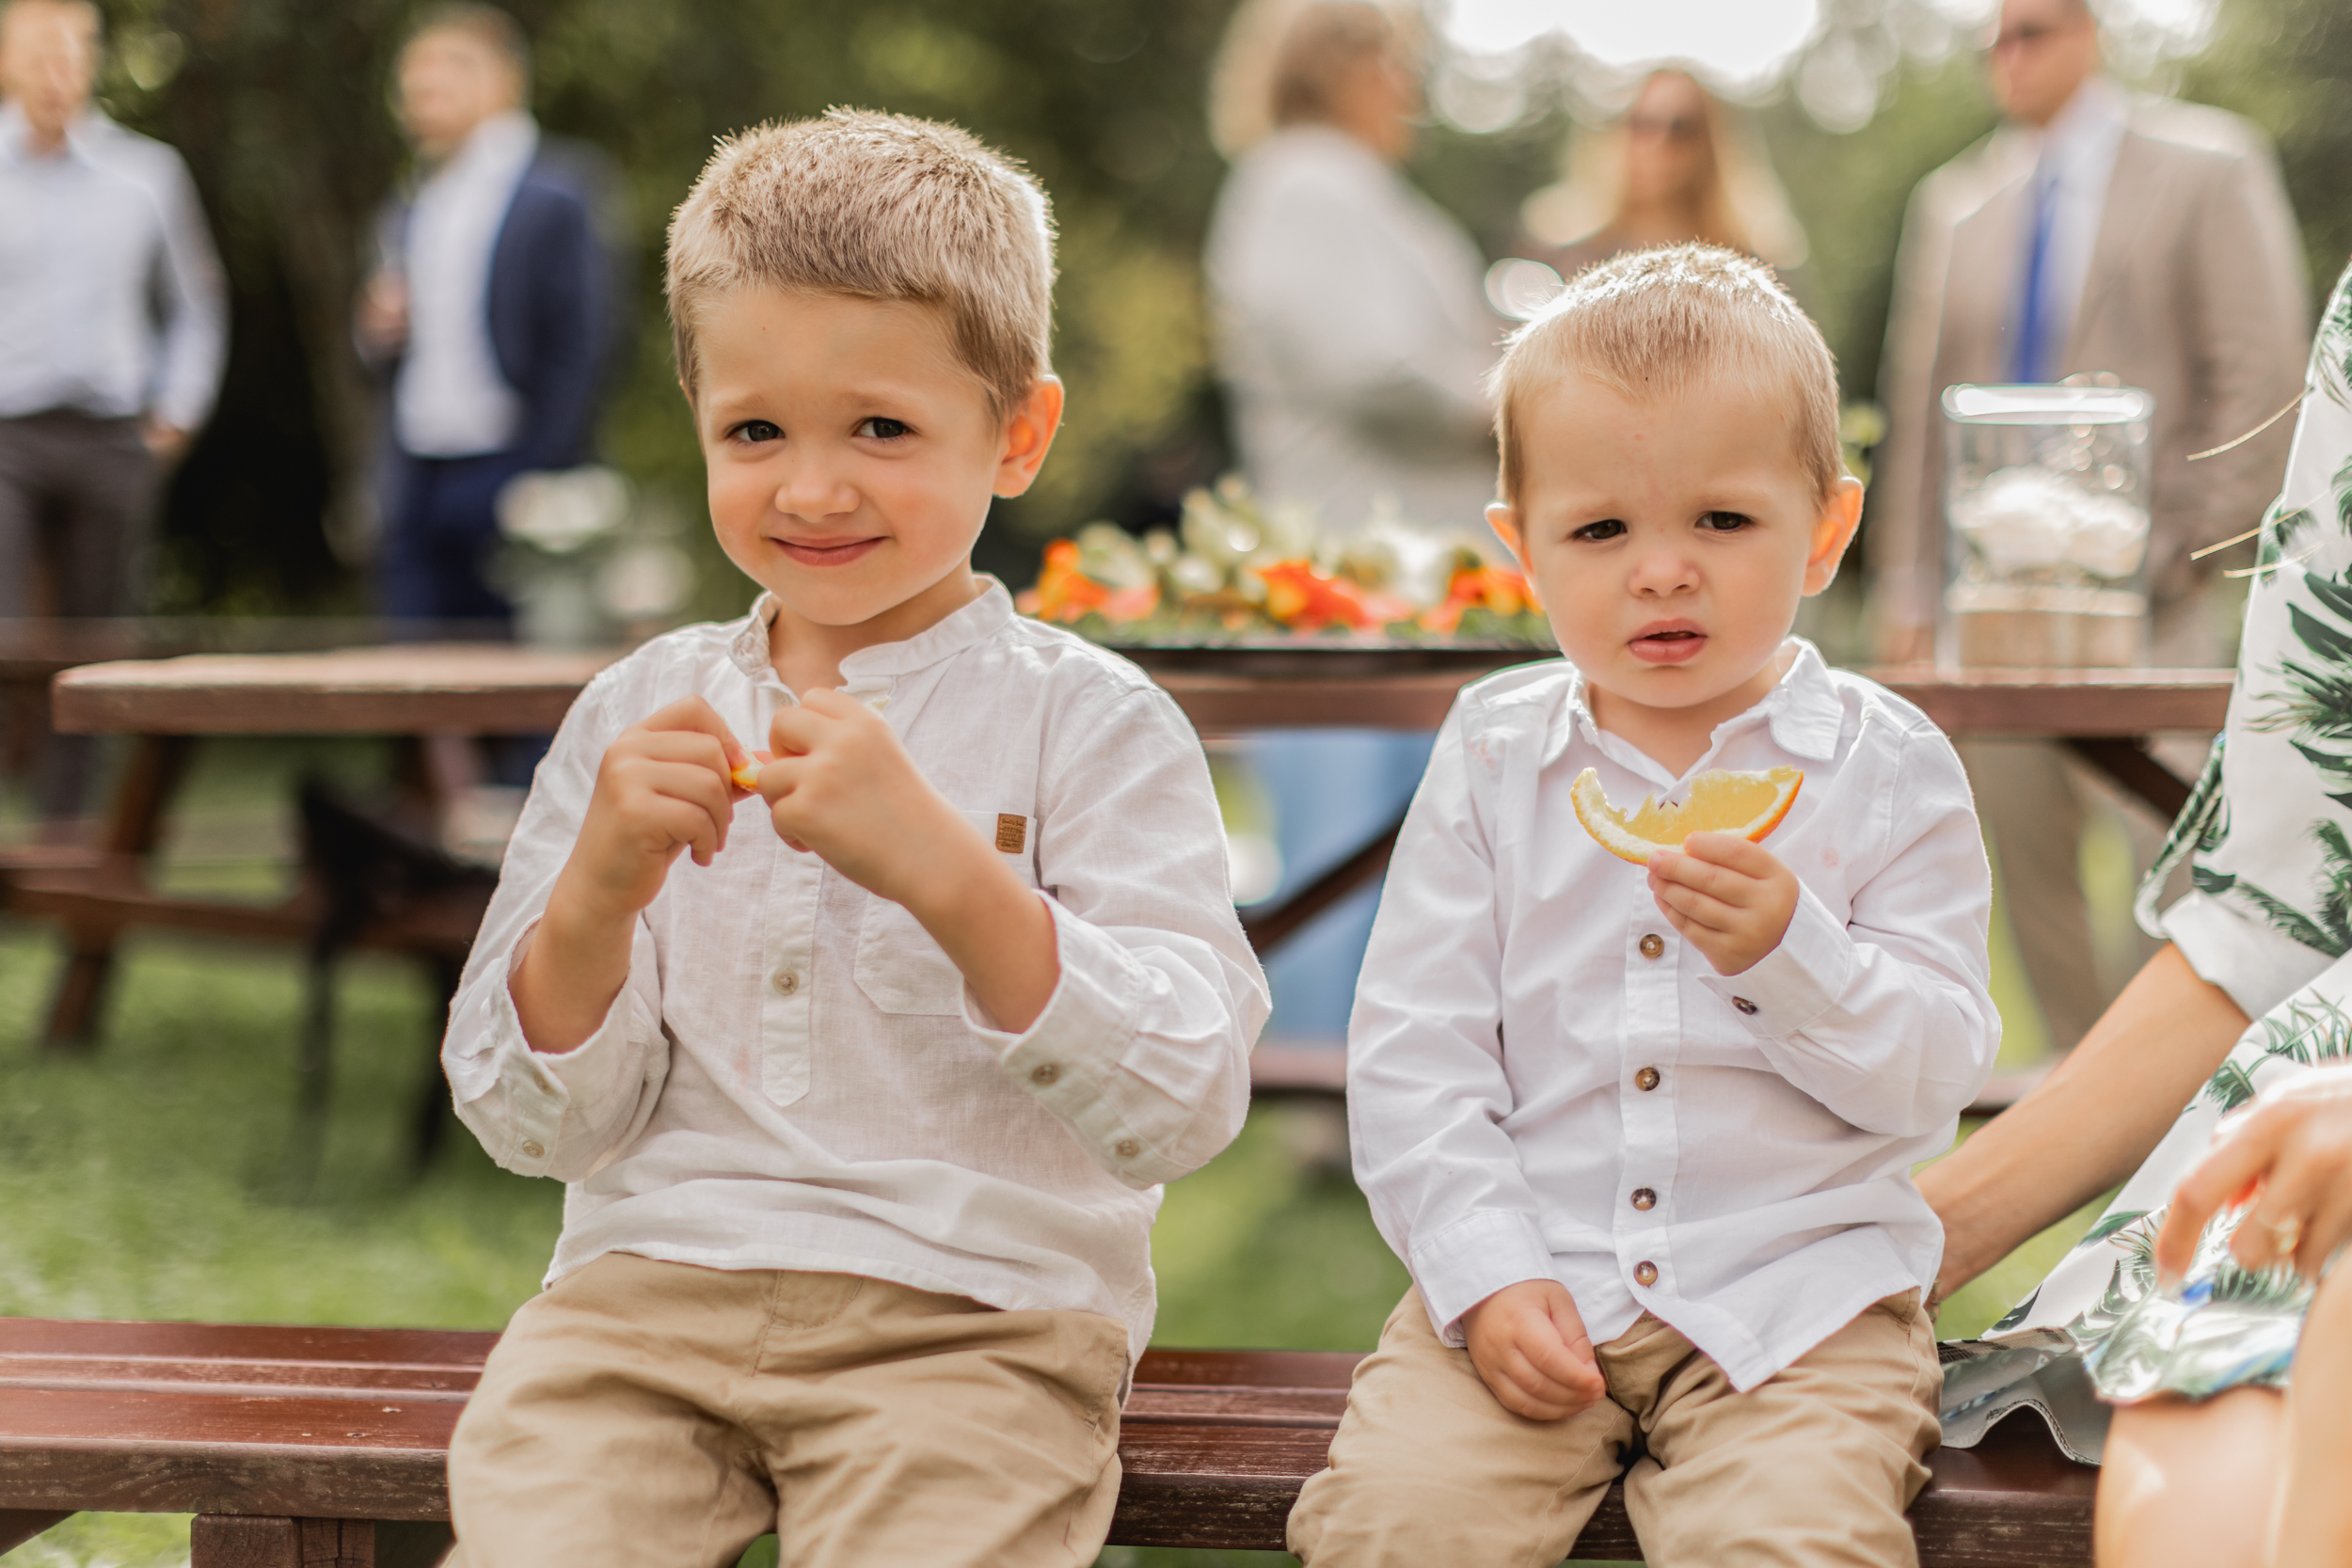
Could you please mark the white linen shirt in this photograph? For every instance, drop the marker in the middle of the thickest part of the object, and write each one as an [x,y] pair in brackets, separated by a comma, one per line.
[794,1076]
[1547,1082]
[450,398]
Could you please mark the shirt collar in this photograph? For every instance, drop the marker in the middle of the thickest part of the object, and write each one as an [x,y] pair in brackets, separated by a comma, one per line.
[16,132]
[1804,709]
[503,143]
[878,665]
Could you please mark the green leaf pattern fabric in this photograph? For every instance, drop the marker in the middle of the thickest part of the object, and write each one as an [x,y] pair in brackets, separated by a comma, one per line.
[2268,835]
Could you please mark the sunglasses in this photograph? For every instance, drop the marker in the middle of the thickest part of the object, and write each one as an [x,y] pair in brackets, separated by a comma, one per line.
[1670,127]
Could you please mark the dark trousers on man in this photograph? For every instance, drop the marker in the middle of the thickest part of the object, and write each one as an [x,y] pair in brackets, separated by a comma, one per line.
[440,533]
[77,500]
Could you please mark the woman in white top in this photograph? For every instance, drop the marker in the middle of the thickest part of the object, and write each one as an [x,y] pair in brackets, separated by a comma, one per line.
[1352,327]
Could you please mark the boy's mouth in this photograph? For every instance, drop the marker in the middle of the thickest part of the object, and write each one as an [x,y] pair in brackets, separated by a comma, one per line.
[829,553]
[1668,643]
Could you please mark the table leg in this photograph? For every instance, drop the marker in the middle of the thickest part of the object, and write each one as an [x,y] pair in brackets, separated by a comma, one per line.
[20,1525]
[150,776]
[2131,766]
[1269,928]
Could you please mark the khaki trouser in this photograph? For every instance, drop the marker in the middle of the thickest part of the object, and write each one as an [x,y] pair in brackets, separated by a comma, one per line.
[641,1414]
[1814,1467]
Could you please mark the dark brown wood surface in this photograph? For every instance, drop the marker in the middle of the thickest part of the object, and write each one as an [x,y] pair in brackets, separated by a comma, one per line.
[492,689]
[291,1428]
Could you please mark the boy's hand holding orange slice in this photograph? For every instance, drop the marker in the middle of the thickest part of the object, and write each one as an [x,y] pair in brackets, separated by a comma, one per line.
[1721,800]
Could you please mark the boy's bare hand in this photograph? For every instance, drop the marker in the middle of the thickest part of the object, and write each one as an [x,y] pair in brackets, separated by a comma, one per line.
[842,786]
[1529,1344]
[1733,899]
[662,787]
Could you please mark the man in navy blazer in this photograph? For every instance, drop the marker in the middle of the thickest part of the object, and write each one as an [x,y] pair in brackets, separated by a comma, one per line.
[491,310]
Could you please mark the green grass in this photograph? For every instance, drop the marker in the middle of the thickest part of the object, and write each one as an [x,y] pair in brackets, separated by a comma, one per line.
[150,1178]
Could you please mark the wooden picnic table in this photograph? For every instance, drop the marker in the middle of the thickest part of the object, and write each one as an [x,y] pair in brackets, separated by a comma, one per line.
[485,689]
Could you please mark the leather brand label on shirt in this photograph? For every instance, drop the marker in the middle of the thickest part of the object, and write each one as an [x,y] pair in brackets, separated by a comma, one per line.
[1013,834]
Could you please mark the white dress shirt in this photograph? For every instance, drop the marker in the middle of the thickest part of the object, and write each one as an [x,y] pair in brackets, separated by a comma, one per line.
[1352,331]
[1547,1082]
[795,1076]
[450,398]
[111,295]
[2076,153]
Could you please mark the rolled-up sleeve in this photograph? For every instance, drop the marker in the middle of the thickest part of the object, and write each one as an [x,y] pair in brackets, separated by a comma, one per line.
[1886,1018]
[1143,1049]
[1426,1091]
[536,1113]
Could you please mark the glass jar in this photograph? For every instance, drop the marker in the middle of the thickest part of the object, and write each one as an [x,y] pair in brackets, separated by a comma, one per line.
[2045,526]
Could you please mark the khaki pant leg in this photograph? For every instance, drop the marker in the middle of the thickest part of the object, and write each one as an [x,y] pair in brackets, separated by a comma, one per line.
[1428,1469]
[2032,810]
[591,1442]
[903,1427]
[1812,1468]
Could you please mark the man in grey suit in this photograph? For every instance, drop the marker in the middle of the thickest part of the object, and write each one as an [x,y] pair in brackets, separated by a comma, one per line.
[2094,234]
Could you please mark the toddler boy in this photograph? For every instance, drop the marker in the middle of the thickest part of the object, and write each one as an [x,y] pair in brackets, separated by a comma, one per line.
[865,1103]
[1643,1138]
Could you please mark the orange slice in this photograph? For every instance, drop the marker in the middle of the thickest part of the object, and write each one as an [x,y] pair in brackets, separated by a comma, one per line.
[1720,802]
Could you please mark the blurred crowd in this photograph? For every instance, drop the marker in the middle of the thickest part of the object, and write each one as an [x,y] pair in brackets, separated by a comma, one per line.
[2098,235]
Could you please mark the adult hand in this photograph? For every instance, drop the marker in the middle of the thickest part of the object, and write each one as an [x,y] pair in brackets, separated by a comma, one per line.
[1529,1344]
[383,317]
[1732,899]
[164,440]
[2291,1154]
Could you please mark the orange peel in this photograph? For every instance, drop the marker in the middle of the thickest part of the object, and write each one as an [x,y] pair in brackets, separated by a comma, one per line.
[1719,800]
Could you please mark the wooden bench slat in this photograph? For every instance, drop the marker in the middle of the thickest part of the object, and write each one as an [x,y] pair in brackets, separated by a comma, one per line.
[312,1424]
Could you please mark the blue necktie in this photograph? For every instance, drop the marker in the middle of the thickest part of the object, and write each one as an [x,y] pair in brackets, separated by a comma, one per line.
[2030,345]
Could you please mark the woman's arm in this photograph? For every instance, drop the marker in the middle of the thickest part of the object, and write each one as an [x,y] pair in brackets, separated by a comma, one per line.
[2090,1124]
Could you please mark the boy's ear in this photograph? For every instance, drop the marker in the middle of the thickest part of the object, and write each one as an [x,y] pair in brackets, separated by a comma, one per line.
[1833,530]
[1028,436]
[1504,518]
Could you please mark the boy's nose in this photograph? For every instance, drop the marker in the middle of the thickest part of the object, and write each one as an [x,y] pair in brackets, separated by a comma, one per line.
[813,490]
[1663,572]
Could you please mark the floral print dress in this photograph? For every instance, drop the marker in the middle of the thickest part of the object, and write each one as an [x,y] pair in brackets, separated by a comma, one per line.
[2267,836]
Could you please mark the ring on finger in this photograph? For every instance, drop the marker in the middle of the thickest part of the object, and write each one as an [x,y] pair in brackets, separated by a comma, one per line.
[2287,1235]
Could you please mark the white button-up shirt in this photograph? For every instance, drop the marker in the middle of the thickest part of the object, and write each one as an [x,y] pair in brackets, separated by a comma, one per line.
[1547,1082]
[449,398]
[111,296]
[794,1076]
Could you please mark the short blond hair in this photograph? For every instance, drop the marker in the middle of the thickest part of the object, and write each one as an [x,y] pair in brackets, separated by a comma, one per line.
[878,207]
[1652,322]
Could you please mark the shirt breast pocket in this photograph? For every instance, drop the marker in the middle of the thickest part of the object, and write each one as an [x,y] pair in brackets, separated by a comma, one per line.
[899,967]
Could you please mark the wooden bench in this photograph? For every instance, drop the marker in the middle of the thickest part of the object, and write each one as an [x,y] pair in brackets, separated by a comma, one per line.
[324,1447]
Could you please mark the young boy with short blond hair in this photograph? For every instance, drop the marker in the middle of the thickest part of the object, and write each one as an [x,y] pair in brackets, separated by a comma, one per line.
[1644,1137]
[864,1056]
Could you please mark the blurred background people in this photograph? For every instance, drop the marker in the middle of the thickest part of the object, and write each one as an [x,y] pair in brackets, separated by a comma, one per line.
[113,330]
[1353,338]
[491,309]
[2095,233]
[1350,314]
[1675,167]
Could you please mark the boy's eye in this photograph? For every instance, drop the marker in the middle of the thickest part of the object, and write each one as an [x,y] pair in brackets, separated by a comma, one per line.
[1724,522]
[756,430]
[882,429]
[1608,528]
